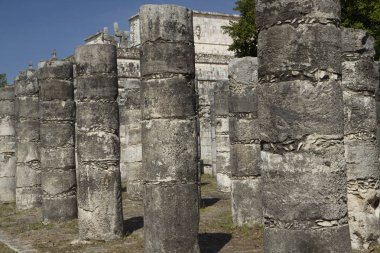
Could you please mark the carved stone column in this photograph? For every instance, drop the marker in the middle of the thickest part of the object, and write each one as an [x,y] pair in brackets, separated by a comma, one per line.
[57,115]
[98,173]
[169,135]
[302,125]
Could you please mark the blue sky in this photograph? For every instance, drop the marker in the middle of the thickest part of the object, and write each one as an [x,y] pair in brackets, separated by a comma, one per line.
[31,29]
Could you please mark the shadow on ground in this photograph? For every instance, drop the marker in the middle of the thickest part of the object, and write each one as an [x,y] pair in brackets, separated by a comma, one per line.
[133,224]
[206,202]
[213,242]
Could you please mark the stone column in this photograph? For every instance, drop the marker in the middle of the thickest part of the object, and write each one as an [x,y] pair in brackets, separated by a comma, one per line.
[169,140]
[245,143]
[360,79]
[302,124]
[222,136]
[128,63]
[98,174]
[7,145]
[28,166]
[57,115]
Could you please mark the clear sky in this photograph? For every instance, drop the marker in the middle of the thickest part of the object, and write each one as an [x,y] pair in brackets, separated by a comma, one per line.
[31,29]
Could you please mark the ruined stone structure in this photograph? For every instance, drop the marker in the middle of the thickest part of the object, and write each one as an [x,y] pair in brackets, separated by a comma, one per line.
[57,115]
[128,64]
[222,136]
[98,174]
[169,129]
[245,142]
[28,166]
[302,121]
[7,145]
[211,64]
[360,79]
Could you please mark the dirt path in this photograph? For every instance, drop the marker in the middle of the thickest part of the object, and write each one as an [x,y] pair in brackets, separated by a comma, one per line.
[25,231]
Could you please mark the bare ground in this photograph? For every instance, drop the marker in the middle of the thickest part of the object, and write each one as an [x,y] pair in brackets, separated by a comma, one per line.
[25,231]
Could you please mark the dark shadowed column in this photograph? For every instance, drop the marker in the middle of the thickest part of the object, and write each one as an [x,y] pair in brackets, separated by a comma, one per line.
[7,145]
[98,174]
[57,115]
[302,124]
[245,143]
[28,167]
[360,78]
[169,135]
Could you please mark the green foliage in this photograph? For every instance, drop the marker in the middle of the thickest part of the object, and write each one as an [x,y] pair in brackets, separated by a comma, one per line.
[363,14]
[360,14]
[243,32]
[3,80]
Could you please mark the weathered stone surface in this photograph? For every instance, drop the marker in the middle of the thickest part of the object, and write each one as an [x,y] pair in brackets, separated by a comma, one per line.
[169,142]
[316,241]
[284,115]
[98,143]
[162,99]
[272,12]
[305,49]
[302,123]
[360,80]
[245,139]
[7,145]
[58,179]
[246,201]
[28,167]
[170,235]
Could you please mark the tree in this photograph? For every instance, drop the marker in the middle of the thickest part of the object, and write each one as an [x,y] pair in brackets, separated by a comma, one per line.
[3,80]
[243,32]
[361,14]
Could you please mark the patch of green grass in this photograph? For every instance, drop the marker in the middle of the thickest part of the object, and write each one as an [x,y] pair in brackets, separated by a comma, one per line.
[5,249]
[7,209]
[33,226]
[208,184]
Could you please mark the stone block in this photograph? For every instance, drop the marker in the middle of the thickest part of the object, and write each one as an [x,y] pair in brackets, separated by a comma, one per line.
[7,189]
[28,197]
[61,158]
[362,159]
[56,89]
[312,186]
[56,69]
[245,160]
[360,75]
[166,233]
[170,150]
[27,176]
[284,115]
[60,209]
[300,51]
[7,144]
[28,152]
[95,87]
[95,59]
[246,202]
[357,41]
[278,240]
[7,108]
[58,182]
[166,23]
[7,126]
[163,57]
[27,107]
[244,130]
[97,146]
[49,109]
[242,73]
[360,114]
[7,93]
[271,12]
[57,135]
[91,115]
[7,165]
[132,99]
[28,130]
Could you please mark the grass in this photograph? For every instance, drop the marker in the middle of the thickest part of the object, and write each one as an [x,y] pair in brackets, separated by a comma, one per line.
[208,184]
